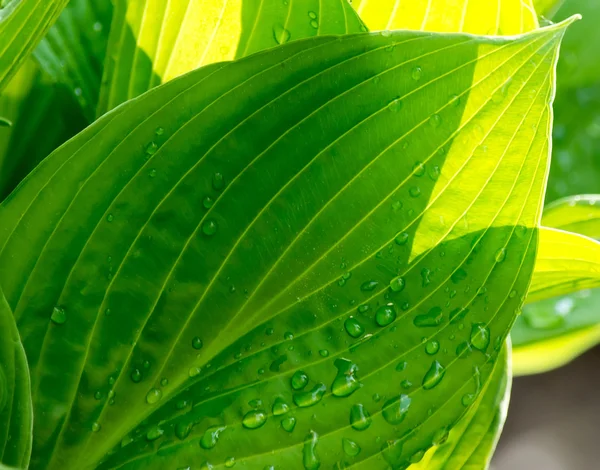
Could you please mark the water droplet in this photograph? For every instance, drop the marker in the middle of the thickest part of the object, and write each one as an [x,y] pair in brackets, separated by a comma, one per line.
[280,407]
[363,308]
[194,372]
[164,382]
[359,417]
[432,347]
[385,315]
[469,398]
[434,173]
[368,286]
[463,350]
[394,410]
[288,424]
[299,380]
[59,316]
[254,419]
[416,73]
[415,191]
[154,433]
[310,459]
[110,218]
[397,284]
[310,398]
[159,131]
[288,336]
[432,318]
[312,15]
[152,173]
[153,396]
[345,382]
[230,462]
[324,353]
[280,34]
[406,384]
[314,24]
[151,148]
[208,202]
[425,273]
[433,376]
[5,122]
[419,169]
[197,343]
[500,255]
[401,366]
[209,227]
[351,448]
[211,437]
[480,336]
[395,105]
[458,276]
[98,395]
[353,327]
[435,120]
[458,314]
[396,206]
[96,427]
[183,430]
[401,238]
[218,182]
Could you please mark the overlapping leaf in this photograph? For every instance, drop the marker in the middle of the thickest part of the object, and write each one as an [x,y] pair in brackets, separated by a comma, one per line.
[503,17]
[577,214]
[16,417]
[353,208]
[154,41]
[23,23]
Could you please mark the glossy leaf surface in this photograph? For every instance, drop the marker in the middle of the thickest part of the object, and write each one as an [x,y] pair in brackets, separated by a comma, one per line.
[502,17]
[577,214]
[470,445]
[16,417]
[23,23]
[153,41]
[245,222]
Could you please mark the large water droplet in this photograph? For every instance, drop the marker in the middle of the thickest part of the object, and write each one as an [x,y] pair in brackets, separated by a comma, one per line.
[211,437]
[401,238]
[432,318]
[209,227]
[353,327]
[154,433]
[288,424]
[311,397]
[433,376]
[397,284]
[500,255]
[469,398]
[394,410]
[416,73]
[458,276]
[385,315]
[345,382]
[153,396]
[280,34]
[415,191]
[197,343]
[480,336]
[368,286]
[254,419]
[359,417]
[432,347]
[310,459]
[280,407]
[351,448]
[299,380]
[59,316]
[230,462]
[183,430]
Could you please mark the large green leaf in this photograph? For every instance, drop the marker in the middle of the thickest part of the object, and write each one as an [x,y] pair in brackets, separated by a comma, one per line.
[470,445]
[578,214]
[205,242]
[73,51]
[566,262]
[153,41]
[502,17]
[16,418]
[22,24]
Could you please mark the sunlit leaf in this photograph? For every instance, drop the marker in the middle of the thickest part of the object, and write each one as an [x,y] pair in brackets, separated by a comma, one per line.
[23,23]
[547,8]
[578,214]
[152,42]
[502,17]
[566,262]
[207,241]
[16,417]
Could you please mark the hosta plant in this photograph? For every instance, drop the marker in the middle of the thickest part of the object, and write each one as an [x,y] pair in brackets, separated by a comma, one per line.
[277,235]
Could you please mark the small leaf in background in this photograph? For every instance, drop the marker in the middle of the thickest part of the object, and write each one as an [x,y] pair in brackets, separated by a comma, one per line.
[23,23]
[153,42]
[502,17]
[400,185]
[577,214]
[16,417]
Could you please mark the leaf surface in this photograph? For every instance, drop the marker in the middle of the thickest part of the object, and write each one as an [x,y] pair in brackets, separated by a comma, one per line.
[504,17]
[202,244]
[16,418]
[153,41]
[577,214]
[23,23]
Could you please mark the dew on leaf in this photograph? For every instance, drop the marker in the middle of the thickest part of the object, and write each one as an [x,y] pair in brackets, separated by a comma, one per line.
[433,376]
[280,407]
[394,410]
[353,327]
[432,318]
[350,447]
[96,427]
[311,397]
[369,286]
[183,430]
[59,316]
[401,238]
[414,191]
[397,284]
[432,347]
[154,433]
[153,396]
[416,73]
[299,380]
[280,34]
[208,202]
[345,383]
[211,437]
[288,424]
[209,227]
[480,336]
[218,182]
[359,417]
[254,419]
[385,315]
[500,255]
[197,343]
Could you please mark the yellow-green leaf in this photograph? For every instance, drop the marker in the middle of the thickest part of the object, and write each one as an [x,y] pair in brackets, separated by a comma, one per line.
[153,41]
[577,214]
[502,17]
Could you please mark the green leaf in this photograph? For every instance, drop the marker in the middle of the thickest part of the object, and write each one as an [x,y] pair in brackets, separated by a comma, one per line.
[547,8]
[504,17]
[16,418]
[44,115]
[566,262]
[5,122]
[153,42]
[470,445]
[208,240]
[73,51]
[578,214]
[23,23]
